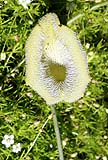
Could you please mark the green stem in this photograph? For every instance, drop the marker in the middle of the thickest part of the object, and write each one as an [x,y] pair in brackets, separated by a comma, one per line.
[59,144]
[40,131]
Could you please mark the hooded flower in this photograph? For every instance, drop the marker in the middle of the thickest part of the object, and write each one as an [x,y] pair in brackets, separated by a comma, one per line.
[56,64]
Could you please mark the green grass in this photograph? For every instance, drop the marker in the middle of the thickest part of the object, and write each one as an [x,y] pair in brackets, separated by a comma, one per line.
[83,124]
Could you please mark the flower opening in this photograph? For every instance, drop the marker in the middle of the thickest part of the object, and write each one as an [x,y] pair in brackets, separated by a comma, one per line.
[56,71]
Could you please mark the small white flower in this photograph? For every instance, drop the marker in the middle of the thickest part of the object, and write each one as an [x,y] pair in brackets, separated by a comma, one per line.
[23,116]
[104,158]
[0,88]
[105,137]
[24,3]
[106,110]
[74,155]
[8,140]
[29,94]
[75,133]
[16,38]
[72,116]
[97,157]
[80,106]
[85,132]
[16,148]
[51,145]
[87,46]
[36,123]
[88,93]
[97,1]
[5,2]
[2,56]
[64,142]
[96,105]
[30,22]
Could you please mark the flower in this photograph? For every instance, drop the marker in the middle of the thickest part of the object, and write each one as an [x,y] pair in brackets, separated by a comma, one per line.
[8,140]
[56,64]
[64,142]
[97,157]
[16,148]
[24,3]
[74,154]
[104,158]
[2,56]
[106,109]
[97,1]
[87,46]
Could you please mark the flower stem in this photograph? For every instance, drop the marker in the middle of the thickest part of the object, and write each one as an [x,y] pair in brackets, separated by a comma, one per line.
[57,133]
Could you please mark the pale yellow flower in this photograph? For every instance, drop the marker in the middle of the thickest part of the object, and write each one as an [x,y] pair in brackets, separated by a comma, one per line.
[56,64]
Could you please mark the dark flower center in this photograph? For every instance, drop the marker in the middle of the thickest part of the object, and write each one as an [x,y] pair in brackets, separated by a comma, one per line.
[57,71]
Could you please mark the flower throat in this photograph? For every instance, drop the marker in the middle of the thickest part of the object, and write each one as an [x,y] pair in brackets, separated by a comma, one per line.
[56,71]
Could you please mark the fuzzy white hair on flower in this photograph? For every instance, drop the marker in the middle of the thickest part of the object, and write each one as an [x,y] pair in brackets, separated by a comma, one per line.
[8,140]
[24,3]
[56,64]
[16,148]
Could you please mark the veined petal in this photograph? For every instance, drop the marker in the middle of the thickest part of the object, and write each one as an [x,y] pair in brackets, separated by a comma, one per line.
[56,64]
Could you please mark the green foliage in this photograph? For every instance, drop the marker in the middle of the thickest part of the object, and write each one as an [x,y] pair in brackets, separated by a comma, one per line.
[83,124]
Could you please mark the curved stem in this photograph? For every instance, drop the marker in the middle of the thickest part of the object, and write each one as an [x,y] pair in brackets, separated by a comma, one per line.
[40,131]
[59,144]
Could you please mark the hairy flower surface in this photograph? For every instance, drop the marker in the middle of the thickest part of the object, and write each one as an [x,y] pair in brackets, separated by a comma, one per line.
[8,140]
[56,64]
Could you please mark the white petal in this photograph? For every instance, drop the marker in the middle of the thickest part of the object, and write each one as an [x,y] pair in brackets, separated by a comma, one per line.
[12,136]
[3,141]
[7,145]
[6,136]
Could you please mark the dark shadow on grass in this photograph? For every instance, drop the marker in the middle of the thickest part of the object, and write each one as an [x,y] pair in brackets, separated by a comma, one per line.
[59,7]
